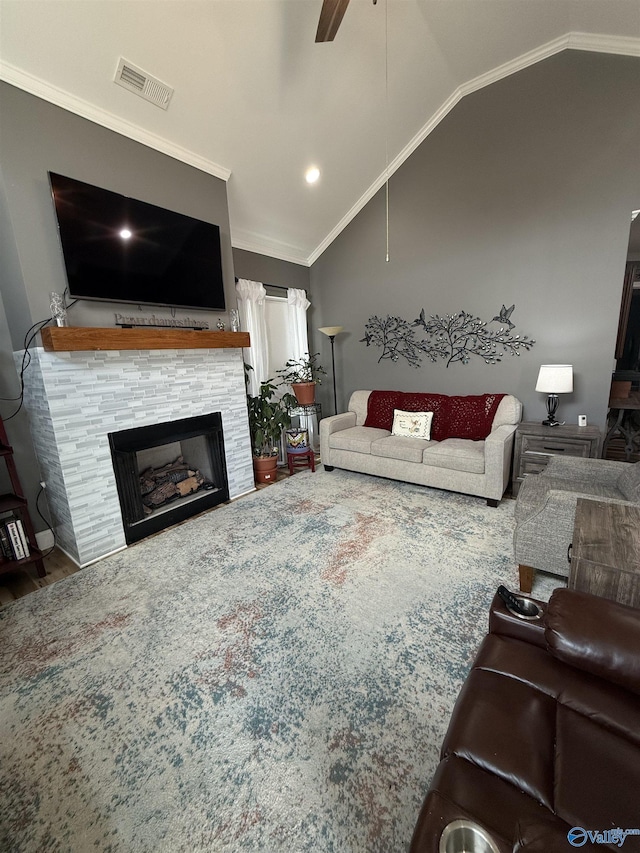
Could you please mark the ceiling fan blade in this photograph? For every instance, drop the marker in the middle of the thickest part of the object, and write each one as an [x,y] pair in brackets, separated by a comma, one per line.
[331,16]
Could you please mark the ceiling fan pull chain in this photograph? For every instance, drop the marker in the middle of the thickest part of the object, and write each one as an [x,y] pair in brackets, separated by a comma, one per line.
[386,120]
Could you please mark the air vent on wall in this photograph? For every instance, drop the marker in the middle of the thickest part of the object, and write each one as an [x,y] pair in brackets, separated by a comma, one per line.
[140,83]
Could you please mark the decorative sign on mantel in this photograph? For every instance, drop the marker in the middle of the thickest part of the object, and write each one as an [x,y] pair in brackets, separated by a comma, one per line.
[453,337]
[160,322]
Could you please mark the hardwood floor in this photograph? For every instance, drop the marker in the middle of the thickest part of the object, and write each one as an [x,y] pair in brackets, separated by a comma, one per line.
[14,585]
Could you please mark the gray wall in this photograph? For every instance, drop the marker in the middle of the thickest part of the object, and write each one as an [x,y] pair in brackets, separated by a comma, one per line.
[523,194]
[18,426]
[37,137]
[270,270]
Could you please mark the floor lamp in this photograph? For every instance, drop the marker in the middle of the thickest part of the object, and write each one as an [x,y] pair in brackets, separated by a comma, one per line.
[331,332]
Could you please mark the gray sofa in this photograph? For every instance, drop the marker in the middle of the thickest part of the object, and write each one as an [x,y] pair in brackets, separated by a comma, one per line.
[457,464]
[546,508]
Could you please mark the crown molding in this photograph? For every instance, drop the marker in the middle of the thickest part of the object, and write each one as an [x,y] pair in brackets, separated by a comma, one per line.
[273,249]
[60,98]
[621,45]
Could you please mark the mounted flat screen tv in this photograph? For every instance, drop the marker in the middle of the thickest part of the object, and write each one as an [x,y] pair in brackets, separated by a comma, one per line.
[118,249]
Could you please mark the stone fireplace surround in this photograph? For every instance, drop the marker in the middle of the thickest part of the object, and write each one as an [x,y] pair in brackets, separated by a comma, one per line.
[74,399]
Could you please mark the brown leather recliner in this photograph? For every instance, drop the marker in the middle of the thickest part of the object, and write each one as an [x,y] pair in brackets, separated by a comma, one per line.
[545,735]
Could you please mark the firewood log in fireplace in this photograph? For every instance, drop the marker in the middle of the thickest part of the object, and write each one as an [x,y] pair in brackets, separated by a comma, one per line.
[160,495]
[191,484]
[173,480]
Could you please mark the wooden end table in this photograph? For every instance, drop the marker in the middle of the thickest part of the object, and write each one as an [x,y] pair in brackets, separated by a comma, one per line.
[605,556]
[536,444]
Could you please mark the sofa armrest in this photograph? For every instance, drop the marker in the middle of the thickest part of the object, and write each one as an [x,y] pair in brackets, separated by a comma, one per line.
[335,423]
[595,635]
[603,471]
[558,511]
[501,435]
[502,621]
[498,448]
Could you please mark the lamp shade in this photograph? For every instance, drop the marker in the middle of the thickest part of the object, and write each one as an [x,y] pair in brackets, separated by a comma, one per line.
[331,331]
[555,379]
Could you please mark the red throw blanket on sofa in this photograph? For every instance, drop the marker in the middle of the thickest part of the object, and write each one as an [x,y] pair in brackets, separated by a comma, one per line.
[453,417]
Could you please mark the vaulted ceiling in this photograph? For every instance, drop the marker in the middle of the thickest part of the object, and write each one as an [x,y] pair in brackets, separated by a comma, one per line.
[256,101]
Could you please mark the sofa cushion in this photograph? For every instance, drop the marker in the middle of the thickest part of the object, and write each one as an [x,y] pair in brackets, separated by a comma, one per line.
[613,707]
[596,774]
[629,482]
[596,635]
[380,407]
[506,727]
[358,439]
[358,403]
[509,411]
[412,424]
[400,447]
[463,790]
[457,454]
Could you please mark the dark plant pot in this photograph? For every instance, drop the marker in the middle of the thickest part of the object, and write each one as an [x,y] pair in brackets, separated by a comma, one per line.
[620,390]
[264,468]
[305,393]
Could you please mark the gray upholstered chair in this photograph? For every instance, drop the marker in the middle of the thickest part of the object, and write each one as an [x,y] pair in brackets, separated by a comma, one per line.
[546,508]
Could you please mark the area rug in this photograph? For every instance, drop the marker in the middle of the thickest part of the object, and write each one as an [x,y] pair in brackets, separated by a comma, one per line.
[275,675]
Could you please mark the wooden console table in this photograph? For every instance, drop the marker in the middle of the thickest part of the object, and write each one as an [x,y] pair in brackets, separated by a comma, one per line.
[605,556]
[95,338]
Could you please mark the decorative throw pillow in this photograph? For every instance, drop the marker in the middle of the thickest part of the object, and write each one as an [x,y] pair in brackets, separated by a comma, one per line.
[412,424]
[436,403]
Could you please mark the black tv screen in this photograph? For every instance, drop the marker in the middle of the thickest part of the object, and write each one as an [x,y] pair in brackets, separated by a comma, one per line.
[122,250]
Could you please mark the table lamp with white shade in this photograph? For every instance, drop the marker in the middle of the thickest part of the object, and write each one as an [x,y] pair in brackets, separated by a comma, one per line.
[554,379]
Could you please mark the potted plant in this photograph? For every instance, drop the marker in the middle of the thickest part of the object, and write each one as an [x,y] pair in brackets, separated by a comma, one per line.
[303,374]
[268,417]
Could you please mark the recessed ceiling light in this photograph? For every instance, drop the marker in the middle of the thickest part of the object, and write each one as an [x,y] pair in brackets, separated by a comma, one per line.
[312,174]
[125,233]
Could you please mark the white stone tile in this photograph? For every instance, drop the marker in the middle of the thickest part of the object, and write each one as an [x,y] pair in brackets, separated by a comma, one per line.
[76,399]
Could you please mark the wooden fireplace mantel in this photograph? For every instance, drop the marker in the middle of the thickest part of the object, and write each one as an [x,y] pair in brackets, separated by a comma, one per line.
[89,338]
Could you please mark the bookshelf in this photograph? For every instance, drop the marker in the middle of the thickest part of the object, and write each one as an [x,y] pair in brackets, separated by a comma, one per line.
[13,506]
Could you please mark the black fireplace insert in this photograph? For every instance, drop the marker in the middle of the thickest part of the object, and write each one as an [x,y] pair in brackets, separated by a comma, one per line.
[167,472]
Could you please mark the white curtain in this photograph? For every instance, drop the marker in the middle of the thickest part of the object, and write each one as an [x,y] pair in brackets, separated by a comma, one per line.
[251,296]
[298,304]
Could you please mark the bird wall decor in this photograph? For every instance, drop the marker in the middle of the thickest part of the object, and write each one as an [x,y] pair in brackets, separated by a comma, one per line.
[452,337]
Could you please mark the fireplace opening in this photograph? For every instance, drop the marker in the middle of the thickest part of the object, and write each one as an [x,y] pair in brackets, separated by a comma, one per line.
[168,472]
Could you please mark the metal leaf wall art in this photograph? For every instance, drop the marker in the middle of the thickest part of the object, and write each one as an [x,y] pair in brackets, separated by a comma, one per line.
[453,338]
